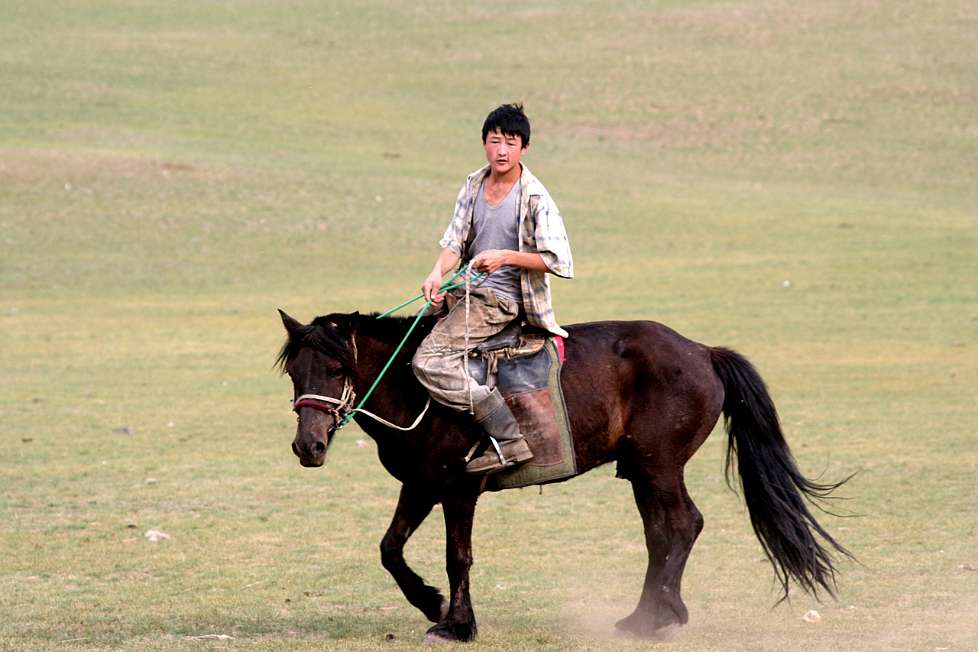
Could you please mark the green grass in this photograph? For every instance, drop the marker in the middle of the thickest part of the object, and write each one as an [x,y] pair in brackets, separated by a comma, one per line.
[172,173]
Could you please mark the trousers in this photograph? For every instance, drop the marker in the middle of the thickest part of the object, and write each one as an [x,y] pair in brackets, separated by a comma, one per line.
[440,363]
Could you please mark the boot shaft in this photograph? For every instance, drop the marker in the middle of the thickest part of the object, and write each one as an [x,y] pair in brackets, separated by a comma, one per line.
[495,418]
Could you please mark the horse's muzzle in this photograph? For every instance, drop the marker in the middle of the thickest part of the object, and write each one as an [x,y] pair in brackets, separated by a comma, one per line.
[312,435]
[311,450]
[312,462]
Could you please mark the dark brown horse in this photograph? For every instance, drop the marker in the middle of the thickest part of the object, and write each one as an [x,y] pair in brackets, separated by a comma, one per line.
[637,392]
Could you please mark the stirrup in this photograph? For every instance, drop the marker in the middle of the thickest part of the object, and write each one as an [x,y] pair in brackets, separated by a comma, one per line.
[493,460]
[480,447]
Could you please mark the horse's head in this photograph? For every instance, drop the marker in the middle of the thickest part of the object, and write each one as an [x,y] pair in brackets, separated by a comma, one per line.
[320,358]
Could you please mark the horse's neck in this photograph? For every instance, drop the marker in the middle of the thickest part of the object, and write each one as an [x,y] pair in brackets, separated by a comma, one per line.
[391,398]
[372,353]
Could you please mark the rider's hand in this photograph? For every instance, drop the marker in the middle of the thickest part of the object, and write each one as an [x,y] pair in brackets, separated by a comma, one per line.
[430,289]
[490,260]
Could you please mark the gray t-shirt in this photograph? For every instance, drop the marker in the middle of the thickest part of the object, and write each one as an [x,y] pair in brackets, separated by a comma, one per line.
[497,227]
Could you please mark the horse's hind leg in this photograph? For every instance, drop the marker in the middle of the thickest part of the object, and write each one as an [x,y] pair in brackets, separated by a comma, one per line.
[672,524]
[412,508]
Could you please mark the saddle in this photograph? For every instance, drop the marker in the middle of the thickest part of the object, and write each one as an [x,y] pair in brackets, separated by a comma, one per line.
[523,362]
[515,342]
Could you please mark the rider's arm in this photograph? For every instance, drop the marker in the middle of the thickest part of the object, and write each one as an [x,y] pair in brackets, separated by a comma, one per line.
[447,260]
[492,259]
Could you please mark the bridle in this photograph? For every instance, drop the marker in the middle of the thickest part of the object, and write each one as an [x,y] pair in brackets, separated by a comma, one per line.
[338,408]
[342,410]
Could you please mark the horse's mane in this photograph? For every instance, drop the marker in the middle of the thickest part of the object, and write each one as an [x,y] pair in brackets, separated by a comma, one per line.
[328,334]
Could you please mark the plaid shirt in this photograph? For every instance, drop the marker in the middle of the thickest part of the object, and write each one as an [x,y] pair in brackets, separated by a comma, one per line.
[541,231]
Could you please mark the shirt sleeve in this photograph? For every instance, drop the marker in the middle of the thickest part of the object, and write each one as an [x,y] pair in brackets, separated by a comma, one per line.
[553,245]
[454,238]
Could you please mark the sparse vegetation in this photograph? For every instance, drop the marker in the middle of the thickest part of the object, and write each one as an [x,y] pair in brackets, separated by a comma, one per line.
[796,182]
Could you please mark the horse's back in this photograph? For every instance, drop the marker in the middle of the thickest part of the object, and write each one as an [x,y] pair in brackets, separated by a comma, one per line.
[645,350]
[638,385]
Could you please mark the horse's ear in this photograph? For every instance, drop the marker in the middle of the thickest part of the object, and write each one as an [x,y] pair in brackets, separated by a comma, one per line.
[348,326]
[291,325]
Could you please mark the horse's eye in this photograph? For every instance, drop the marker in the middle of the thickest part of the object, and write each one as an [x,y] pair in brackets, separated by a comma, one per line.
[335,372]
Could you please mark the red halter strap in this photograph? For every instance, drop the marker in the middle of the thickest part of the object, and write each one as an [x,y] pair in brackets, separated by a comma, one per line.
[315,404]
[338,407]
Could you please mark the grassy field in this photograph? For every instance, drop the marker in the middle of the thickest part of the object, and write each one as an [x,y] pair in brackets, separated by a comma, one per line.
[796,182]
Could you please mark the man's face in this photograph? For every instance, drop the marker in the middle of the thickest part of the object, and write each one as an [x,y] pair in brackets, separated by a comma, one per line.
[503,152]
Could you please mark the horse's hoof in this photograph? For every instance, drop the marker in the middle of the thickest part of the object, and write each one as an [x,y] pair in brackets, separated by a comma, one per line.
[629,625]
[638,627]
[450,633]
[440,634]
[667,633]
[437,638]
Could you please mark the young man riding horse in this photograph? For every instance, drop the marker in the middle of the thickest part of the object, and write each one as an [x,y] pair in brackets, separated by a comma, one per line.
[638,394]
[507,225]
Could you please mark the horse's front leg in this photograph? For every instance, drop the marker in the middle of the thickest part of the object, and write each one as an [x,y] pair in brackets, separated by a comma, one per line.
[412,508]
[459,623]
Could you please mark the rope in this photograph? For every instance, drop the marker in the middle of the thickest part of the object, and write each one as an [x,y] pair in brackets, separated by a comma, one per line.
[446,286]
[342,407]
[465,354]
[395,426]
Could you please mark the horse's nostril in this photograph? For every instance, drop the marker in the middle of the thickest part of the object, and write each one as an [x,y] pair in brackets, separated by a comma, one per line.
[295,449]
[318,448]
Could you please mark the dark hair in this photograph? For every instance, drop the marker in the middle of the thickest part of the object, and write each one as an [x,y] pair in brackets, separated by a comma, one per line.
[510,120]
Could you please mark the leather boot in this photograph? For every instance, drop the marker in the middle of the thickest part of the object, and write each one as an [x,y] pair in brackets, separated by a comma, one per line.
[507,447]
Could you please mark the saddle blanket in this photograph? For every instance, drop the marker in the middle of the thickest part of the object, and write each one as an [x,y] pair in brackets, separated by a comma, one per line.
[528,377]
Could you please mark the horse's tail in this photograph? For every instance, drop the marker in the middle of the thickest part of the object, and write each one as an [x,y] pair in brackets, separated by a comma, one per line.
[774,489]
